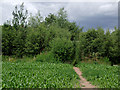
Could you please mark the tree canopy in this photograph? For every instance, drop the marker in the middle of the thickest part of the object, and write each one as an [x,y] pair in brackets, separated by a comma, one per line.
[25,36]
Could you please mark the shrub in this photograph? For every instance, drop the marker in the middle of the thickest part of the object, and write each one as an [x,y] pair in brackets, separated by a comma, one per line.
[62,49]
[46,57]
[105,60]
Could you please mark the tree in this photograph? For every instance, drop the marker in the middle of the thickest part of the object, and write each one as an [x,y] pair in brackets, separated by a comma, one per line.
[115,48]
[62,49]
[8,36]
[35,40]
[14,33]
[62,18]
[35,21]
[51,19]
[19,16]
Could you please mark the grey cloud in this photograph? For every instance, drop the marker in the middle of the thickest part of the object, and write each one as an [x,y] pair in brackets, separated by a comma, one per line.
[103,21]
[94,14]
[88,14]
[84,10]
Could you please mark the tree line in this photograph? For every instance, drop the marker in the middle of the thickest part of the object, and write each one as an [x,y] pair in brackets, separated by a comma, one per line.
[30,35]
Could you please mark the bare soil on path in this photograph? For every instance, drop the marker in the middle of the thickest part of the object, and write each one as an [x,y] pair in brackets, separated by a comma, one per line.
[83,82]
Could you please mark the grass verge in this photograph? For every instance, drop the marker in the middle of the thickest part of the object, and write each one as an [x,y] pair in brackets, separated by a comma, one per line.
[103,76]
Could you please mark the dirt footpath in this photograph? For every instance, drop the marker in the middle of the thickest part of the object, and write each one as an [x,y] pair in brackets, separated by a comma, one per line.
[83,82]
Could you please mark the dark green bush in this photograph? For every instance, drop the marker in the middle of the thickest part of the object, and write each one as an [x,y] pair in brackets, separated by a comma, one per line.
[46,57]
[62,49]
[105,60]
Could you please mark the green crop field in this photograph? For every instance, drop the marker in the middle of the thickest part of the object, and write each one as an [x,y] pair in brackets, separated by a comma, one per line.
[103,76]
[38,75]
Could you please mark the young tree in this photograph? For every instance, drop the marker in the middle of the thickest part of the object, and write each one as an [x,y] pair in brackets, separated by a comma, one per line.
[62,18]
[19,16]
[115,49]
[51,19]
[14,33]
[35,21]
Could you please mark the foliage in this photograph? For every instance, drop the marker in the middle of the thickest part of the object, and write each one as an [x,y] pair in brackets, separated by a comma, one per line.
[62,18]
[46,57]
[103,76]
[105,60]
[14,33]
[62,49]
[19,17]
[35,21]
[95,44]
[35,40]
[115,40]
[37,75]
[50,20]
[29,36]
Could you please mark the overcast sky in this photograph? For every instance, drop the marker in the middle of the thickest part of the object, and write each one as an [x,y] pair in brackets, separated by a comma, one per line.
[88,14]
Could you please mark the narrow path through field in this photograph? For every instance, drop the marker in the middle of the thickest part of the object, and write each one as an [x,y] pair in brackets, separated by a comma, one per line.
[83,82]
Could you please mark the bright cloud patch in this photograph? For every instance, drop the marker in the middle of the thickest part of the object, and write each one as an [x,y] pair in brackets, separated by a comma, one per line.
[88,14]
